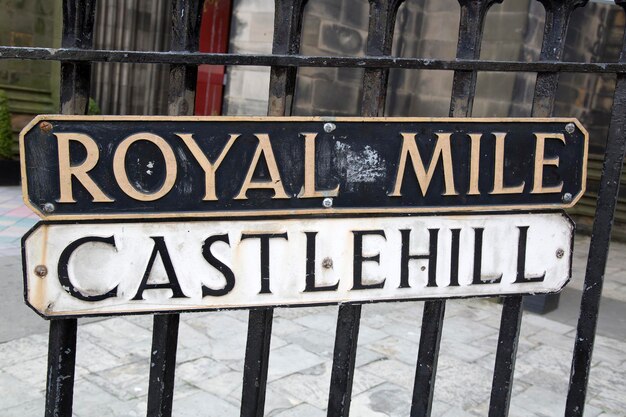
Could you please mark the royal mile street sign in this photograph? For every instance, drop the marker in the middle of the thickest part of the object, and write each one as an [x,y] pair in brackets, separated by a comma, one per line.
[80,167]
[165,265]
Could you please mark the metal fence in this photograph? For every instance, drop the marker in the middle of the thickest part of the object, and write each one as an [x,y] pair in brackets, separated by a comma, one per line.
[77,55]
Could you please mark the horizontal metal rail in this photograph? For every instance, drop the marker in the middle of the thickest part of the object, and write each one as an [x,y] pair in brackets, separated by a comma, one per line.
[150,57]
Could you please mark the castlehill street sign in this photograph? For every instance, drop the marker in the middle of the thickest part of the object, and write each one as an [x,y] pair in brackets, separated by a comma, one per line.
[80,167]
[106,267]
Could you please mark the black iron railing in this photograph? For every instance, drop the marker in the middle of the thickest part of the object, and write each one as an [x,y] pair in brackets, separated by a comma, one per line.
[77,54]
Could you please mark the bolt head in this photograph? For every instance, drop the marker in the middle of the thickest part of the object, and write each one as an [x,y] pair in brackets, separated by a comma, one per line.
[329,127]
[48,208]
[41,271]
[327,263]
[327,202]
[560,253]
[45,126]
[567,198]
[570,128]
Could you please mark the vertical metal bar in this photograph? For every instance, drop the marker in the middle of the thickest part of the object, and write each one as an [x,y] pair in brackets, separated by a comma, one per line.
[162,364]
[599,247]
[186,17]
[471,24]
[78,27]
[382,22]
[344,356]
[256,362]
[287,31]
[510,323]
[427,357]
[108,69]
[120,26]
[100,28]
[61,365]
[557,19]
[379,42]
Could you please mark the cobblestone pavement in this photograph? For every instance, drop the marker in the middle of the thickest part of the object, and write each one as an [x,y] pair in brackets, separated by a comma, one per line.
[113,354]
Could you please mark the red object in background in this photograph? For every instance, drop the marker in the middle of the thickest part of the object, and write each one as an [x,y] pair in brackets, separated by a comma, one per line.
[214,31]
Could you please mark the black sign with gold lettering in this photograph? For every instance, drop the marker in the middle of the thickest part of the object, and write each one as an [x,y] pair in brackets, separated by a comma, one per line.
[139,167]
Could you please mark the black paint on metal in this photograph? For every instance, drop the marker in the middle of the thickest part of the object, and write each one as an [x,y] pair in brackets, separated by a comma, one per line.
[78,19]
[382,20]
[162,364]
[557,19]
[61,367]
[186,17]
[288,16]
[185,37]
[599,247]
[427,358]
[344,357]
[510,323]
[100,55]
[78,24]
[256,362]
[379,41]
[558,13]
[471,24]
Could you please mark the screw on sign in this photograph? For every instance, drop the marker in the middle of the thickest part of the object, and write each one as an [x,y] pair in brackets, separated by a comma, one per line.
[41,271]
[45,126]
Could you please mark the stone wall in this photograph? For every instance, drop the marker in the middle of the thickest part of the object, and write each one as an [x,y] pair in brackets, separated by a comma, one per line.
[424,29]
[512,33]
[332,28]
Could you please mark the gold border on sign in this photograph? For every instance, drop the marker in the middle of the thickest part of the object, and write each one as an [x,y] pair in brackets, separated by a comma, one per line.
[321,210]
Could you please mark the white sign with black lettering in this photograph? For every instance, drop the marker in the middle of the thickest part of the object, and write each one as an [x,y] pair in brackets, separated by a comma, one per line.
[158,266]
